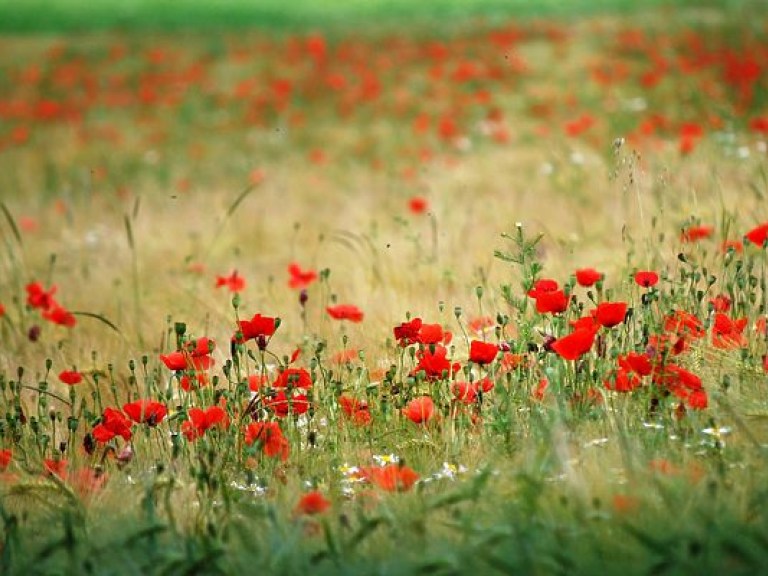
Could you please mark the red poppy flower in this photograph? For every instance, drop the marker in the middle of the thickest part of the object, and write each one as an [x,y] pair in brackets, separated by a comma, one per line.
[727,333]
[684,324]
[270,437]
[588,276]
[38,297]
[200,421]
[256,382]
[541,389]
[312,503]
[300,279]
[408,332]
[345,312]
[430,334]
[294,378]
[418,205]
[113,423]
[698,399]
[541,286]
[70,377]
[585,323]
[758,235]
[465,392]
[145,411]
[551,302]
[357,410]
[193,381]
[257,326]
[54,467]
[420,410]
[482,352]
[434,362]
[480,324]
[59,315]
[234,282]
[623,381]
[721,303]
[2,310]
[282,406]
[646,278]
[735,245]
[696,233]
[610,314]
[640,364]
[5,459]
[574,345]
[200,347]
[510,361]
[184,361]
[392,477]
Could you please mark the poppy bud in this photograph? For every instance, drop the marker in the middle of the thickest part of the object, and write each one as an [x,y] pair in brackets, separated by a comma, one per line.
[34,333]
[303,297]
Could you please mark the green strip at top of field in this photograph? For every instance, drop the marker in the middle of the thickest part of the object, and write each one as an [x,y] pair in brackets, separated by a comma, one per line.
[74,15]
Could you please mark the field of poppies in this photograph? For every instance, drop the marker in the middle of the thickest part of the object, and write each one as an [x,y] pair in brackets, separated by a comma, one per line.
[482,295]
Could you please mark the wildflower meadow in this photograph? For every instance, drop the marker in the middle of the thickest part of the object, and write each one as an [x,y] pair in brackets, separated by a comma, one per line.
[410,288]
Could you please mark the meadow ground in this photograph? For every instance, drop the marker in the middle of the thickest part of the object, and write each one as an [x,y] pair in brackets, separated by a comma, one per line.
[309,293]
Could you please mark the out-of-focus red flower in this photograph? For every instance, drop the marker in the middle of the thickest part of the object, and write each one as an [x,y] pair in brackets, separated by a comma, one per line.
[588,276]
[721,303]
[482,352]
[696,233]
[200,421]
[758,235]
[345,312]
[70,377]
[392,477]
[480,324]
[234,282]
[418,205]
[312,503]
[727,333]
[734,245]
[270,437]
[646,278]
[684,324]
[54,467]
[540,390]
[38,297]
[640,364]
[6,456]
[466,392]
[357,410]
[200,347]
[623,381]
[294,378]
[145,411]
[282,405]
[420,410]
[60,315]
[300,279]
